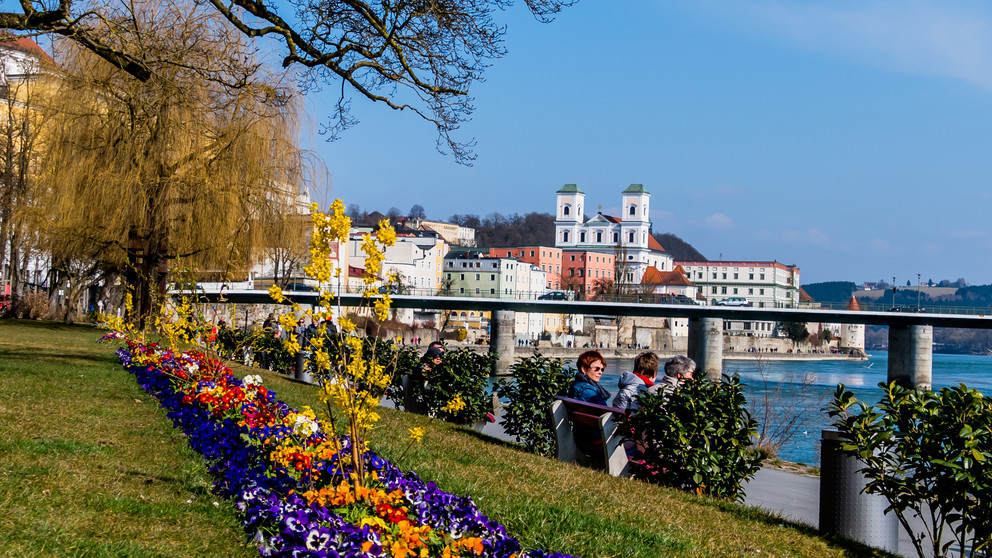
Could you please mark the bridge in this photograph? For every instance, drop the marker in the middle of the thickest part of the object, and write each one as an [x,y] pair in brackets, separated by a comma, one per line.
[910,333]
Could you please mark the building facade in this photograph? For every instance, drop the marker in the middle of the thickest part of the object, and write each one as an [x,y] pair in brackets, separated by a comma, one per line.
[546,258]
[762,284]
[628,237]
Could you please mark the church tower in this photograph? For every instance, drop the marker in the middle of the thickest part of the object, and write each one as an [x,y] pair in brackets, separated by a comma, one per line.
[568,215]
[635,223]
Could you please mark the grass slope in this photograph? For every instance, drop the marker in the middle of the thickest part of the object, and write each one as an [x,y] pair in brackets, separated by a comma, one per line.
[90,466]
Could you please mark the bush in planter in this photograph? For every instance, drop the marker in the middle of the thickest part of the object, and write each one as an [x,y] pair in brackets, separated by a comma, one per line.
[930,455]
[462,373]
[535,382]
[696,439]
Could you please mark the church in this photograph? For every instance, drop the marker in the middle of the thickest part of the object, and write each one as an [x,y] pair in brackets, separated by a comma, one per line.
[628,236]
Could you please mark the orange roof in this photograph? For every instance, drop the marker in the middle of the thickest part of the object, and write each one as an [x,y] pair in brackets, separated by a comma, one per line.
[653,244]
[25,45]
[853,305]
[804,296]
[652,276]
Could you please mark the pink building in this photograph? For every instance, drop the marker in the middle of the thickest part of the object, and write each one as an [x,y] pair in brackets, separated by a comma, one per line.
[585,272]
[548,259]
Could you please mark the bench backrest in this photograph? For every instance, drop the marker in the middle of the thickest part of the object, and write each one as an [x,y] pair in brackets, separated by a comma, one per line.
[565,412]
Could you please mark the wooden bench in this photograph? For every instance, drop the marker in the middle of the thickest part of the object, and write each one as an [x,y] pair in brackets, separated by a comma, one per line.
[566,412]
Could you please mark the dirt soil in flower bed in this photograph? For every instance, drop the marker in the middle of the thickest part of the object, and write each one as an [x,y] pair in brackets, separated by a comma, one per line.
[90,466]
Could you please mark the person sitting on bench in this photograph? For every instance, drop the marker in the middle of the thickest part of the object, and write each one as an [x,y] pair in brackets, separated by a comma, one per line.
[585,387]
[632,384]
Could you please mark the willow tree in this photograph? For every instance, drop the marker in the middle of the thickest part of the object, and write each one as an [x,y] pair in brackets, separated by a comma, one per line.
[199,164]
[416,55]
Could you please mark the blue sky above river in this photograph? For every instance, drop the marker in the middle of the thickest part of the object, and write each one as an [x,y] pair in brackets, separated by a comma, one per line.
[853,139]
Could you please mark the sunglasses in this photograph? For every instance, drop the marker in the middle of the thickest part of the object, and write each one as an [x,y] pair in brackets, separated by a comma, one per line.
[597,368]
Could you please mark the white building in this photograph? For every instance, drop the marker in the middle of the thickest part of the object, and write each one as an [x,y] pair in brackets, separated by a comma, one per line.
[416,259]
[763,284]
[628,236]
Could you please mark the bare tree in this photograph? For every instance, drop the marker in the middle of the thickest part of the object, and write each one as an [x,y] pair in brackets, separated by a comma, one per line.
[421,56]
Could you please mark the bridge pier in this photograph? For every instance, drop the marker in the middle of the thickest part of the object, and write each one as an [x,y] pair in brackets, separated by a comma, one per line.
[911,355]
[501,326]
[706,346]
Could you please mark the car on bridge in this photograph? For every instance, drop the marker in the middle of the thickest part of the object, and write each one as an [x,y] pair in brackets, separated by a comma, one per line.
[733,301]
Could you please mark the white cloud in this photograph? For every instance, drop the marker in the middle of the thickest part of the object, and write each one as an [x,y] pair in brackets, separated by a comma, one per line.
[915,36]
[818,237]
[880,245]
[968,234]
[719,221]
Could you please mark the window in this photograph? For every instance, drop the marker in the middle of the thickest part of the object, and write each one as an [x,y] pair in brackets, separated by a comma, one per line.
[750,276]
[723,290]
[564,210]
[449,276]
[572,257]
[750,291]
[492,276]
[735,276]
[476,276]
[463,276]
[582,273]
[477,290]
[461,291]
[616,237]
[724,275]
[735,290]
[597,274]
[599,236]
[492,291]
[532,253]
[633,210]
[571,272]
[564,236]
[630,237]
[713,290]
[714,275]
[761,291]
[762,276]
[582,236]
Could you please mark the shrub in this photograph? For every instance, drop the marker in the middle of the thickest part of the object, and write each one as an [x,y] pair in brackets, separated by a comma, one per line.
[463,373]
[930,455]
[535,382]
[461,334]
[696,438]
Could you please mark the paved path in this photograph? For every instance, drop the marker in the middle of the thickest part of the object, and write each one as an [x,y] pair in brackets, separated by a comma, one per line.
[793,496]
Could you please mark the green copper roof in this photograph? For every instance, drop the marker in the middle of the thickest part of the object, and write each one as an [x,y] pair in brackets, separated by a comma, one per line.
[570,189]
[635,189]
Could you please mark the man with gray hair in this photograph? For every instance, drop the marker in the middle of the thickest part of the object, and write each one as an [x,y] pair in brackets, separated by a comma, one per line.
[678,369]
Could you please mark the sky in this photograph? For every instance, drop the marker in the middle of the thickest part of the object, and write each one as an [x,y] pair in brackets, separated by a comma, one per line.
[852,139]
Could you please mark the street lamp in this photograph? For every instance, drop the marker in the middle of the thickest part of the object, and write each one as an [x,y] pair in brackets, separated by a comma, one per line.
[893,292]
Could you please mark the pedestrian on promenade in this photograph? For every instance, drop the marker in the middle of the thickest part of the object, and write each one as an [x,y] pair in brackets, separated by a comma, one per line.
[638,381]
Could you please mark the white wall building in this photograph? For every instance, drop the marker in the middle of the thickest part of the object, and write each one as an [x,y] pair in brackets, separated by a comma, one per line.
[628,235]
[764,285]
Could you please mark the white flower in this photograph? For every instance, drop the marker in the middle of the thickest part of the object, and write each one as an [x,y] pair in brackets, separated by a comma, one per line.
[255,380]
[304,426]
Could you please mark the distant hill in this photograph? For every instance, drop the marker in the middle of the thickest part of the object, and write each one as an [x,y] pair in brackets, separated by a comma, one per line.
[678,248]
[831,291]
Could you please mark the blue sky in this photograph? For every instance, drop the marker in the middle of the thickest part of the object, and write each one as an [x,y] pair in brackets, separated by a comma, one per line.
[853,139]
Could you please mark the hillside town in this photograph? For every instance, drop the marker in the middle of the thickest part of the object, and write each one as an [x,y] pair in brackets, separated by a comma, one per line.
[602,257]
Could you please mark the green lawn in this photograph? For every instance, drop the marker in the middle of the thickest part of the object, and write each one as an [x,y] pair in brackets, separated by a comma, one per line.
[90,466]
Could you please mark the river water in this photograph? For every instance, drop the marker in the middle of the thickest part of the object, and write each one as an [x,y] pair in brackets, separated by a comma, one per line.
[779,385]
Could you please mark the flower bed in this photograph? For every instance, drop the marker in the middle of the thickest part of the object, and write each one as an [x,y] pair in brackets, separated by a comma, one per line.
[292,482]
